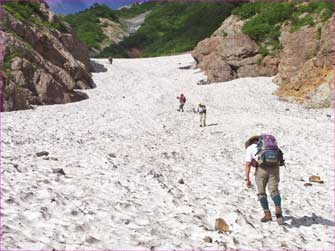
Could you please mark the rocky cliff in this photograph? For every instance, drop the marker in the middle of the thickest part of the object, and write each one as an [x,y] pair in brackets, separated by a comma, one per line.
[306,72]
[303,65]
[43,62]
[230,54]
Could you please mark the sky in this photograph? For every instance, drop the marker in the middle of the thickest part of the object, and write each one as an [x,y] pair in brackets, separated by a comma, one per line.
[72,6]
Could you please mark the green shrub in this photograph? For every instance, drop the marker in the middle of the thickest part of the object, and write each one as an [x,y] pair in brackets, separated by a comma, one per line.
[87,26]
[316,6]
[246,10]
[266,24]
[326,14]
[263,50]
[30,12]
[7,62]
[20,10]
[307,20]
[266,18]
[319,32]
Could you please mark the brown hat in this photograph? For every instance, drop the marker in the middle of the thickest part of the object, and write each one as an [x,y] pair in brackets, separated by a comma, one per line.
[251,141]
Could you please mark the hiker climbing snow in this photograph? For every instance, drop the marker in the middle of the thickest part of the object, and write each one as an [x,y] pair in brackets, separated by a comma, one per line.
[182,101]
[202,111]
[263,153]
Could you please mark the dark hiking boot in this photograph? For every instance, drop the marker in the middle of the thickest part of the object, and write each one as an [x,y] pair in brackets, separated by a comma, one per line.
[280,219]
[279,216]
[267,217]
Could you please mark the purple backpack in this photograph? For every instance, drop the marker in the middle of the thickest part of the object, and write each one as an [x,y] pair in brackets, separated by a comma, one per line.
[268,152]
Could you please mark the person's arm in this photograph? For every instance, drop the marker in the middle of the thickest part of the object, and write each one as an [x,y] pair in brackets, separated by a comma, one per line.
[247,174]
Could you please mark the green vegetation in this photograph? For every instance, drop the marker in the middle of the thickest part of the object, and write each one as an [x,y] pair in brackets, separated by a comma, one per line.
[87,26]
[307,20]
[174,28]
[266,24]
[114,50]
[319,32]
[265,19]
[30,12]
[299,19]
[325,8]
[22,11]
[7,62]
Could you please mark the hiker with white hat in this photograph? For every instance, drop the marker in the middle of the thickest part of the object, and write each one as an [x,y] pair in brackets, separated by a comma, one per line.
[263,153]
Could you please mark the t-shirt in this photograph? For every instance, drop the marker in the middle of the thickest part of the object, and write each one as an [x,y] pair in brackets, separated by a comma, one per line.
[250,152]
[202,109]
[182,99]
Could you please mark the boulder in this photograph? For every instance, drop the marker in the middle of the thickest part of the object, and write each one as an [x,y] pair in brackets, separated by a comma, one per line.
[315,178]
[238,47]
[206,47]
[224,58]
[221,225]
[208,239]
[217,69]
[59,171]
[230,26]
[43,153]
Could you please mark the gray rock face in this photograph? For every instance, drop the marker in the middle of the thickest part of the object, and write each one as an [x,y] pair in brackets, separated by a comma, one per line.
[43,65]
[231,26]
[238,47]
[298,47]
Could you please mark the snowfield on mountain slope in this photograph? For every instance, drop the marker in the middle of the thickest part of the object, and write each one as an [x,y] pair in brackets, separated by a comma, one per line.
[140,175]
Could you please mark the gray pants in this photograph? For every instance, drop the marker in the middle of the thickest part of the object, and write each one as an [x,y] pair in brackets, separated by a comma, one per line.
[181,107]
[202,119]
[267,177]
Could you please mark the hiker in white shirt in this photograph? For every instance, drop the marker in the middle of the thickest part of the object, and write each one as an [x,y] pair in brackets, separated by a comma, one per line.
[202,111]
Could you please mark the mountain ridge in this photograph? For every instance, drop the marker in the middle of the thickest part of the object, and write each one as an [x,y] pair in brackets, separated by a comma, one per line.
[43,61]
[65,7]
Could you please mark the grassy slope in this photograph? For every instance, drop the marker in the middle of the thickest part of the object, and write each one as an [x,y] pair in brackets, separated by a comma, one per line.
[265,19]
[87,26]
[173,28]
[177,27]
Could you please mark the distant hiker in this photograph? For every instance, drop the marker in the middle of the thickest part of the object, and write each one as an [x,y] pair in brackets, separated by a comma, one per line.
[182,101]
[202,111]
[110,59]
[262,152]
